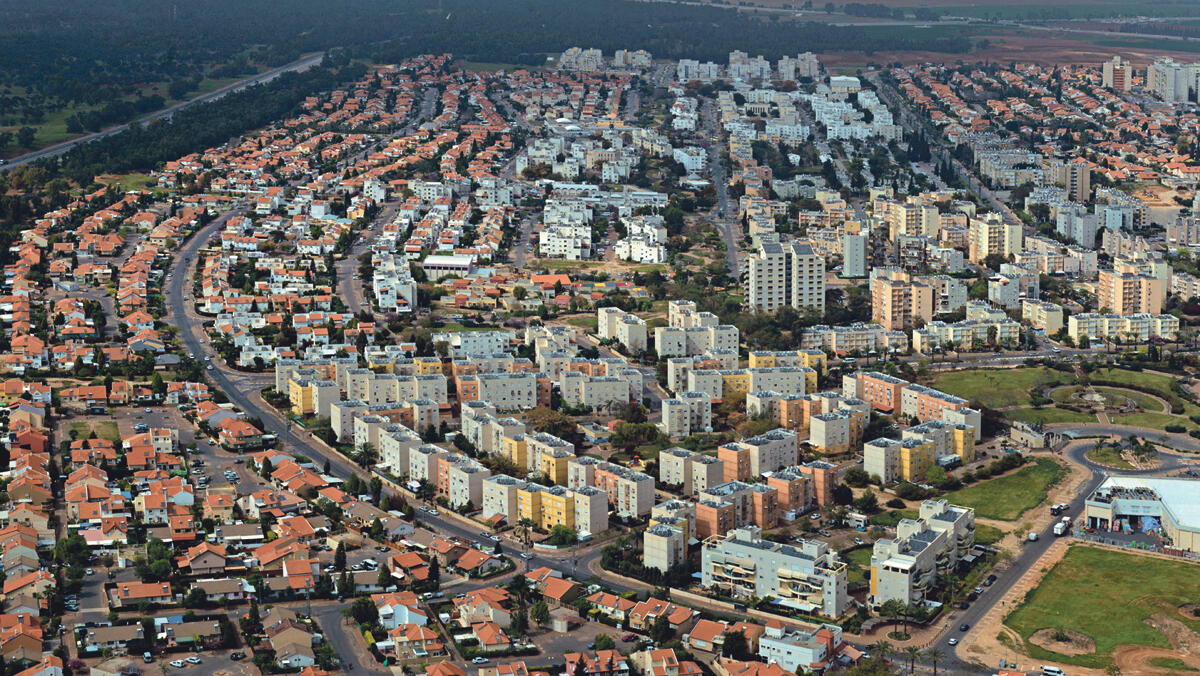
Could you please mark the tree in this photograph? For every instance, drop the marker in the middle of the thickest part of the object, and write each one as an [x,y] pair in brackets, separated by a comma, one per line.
[26,136]
[661,630]
[339,557]
[605,642]
[857,477]
[520,621]
[385,577]
[935,655]
[363,611]
[842,495]
[435,570]
[735,646]
[912,652]
[539,612]
[867,503]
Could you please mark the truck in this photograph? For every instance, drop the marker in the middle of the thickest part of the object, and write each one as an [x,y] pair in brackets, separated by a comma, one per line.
[1060,528]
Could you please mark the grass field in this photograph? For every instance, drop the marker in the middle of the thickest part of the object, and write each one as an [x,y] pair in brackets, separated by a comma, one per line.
[999,388]
[1144,401]
[105,430]
[589,323]
[1149,382]
[1048,415]
[1106,595]
[988,535]
[1170,663]
[1107,455]
[859,567]
[1157,421]
[892,518]
[1007,497]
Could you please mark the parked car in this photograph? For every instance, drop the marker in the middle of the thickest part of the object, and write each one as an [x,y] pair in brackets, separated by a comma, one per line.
[178,664]
[964,626]
[89,571]
[193,660]
[952,641]
[629,638]
[480,660]
[239,655]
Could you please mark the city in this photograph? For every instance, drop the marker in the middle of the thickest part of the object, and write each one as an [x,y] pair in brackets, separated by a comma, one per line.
[617,364]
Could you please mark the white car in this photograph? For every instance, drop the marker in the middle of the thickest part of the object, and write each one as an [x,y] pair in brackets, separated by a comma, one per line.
[177,663]
[89,571]
[193,660]
[480,660]
[952,641]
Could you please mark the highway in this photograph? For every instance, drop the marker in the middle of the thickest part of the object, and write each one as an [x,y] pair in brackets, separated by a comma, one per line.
[301,64]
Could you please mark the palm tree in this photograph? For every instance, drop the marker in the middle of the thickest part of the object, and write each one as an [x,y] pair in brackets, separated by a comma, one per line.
[525,524]
[935,655]
[882,648]
[912,652]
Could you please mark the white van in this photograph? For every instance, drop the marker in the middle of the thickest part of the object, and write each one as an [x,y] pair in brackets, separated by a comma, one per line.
[1052,671]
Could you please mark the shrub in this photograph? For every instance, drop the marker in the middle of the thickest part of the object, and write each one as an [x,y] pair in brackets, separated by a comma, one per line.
[896,503]
[1175,429]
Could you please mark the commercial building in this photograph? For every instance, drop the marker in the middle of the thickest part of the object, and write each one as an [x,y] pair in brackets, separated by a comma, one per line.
[1169,506]
[807,577]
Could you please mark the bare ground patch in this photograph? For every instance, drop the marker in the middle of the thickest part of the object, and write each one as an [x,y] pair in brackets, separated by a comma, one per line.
[1073,642]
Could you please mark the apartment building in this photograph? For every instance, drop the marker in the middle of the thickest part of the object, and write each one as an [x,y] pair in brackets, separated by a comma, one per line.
[907,567]
[1116,74]
[1042,315]
[795,488]
[1136,329]
[692,471]
[687,341]
[860,338]
[992,235]
[799,651]
[786,274]
[948,439]
[925,403]
[626,328]
[898,300]
[630,492]
[663,547]
[904,460]
[881,391]
[756,504]
[687,414]
[1127,290]
[758,455]
[807,577]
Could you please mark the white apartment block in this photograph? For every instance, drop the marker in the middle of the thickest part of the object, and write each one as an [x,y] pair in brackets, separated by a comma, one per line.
[506,391]
[671,341]
[465,480]
[663,547]
[1042,315]
[1133,329]
[579,389]
[798,651]
[808,576]
[628,329]
[693,472]
[906,568]
[786,274]
[689,413]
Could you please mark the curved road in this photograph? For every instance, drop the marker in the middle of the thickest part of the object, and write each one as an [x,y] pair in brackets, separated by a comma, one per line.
[301,64]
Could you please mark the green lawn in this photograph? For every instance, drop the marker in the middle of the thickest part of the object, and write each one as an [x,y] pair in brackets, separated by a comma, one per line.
[988,535]
[1144,401]
[1007,497]
[1157,421]
[1107,455]
[1149,382]
[858,562]
[999,388]
[589,323]
[1106,595]
[1170,663]
[105,430]
[892,518]
[1048,414]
